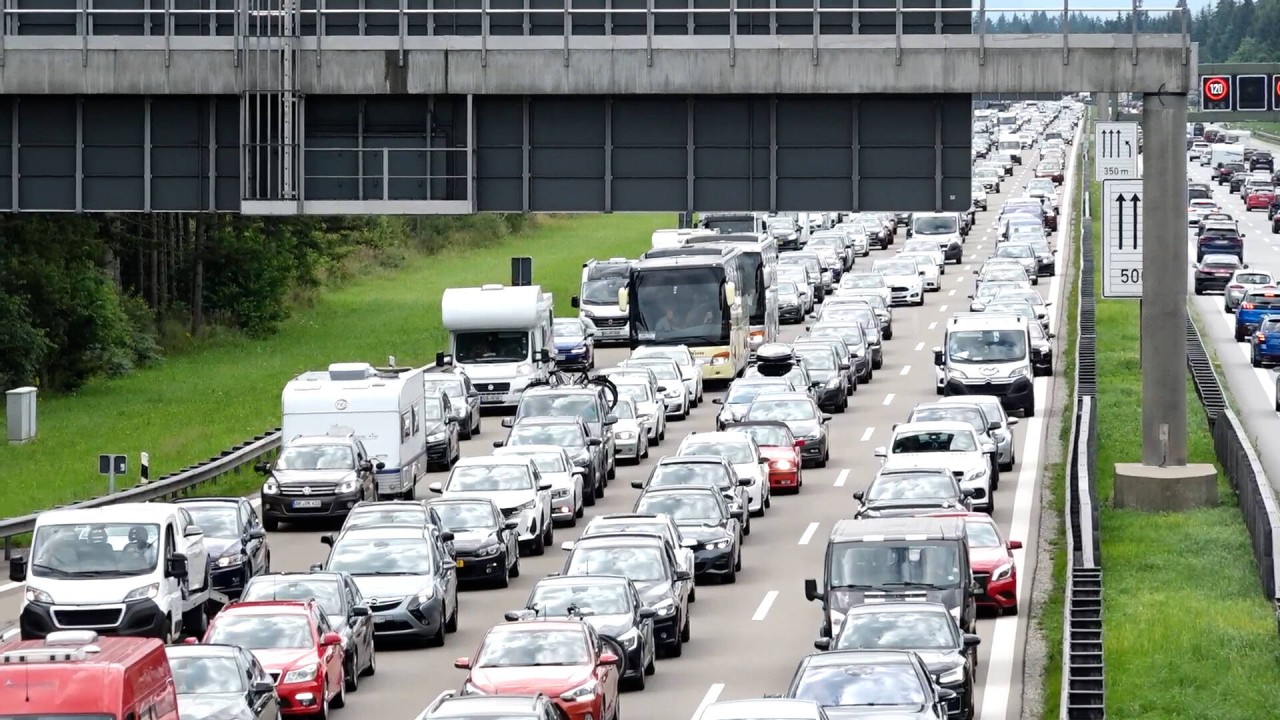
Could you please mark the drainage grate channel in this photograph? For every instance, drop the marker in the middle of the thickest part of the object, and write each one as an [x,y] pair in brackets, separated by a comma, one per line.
[1202,374]
[1087,339]
[1086,687]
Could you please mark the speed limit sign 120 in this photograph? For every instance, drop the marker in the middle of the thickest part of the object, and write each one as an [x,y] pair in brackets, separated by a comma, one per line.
[1216,93]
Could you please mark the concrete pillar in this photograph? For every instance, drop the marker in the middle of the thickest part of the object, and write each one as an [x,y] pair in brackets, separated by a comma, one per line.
[1104,103]
[1164,481]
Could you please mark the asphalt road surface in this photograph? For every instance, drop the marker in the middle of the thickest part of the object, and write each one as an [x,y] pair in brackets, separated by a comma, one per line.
[747,638]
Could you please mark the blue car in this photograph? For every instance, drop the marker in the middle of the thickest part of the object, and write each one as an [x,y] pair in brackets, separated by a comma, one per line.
[575,340]
[1266,342]
[1256,304]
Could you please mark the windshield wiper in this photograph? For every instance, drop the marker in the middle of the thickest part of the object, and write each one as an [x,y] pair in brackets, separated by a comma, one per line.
[853,586]
[50,570]
[392,572]
[912,583]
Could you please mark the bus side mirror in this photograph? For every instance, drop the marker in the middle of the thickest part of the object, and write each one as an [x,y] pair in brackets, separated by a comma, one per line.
[574,302]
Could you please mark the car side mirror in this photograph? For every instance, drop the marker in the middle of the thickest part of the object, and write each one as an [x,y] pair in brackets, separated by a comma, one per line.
[683,576]
[811,590]
[361,611]
[435,487]
[993,426]
[262,687]
[744,482]
[544,486]
[1246,265]
[845,366]
[607,658]
[594,442]
[257,533]
[717,401]
[822,643]
[971,641]
[880,452]
[611,420]
[175,566]
[647,613]
[462,663]
[447,536]
[938,360]
[826,418]
[379,465]
[508,422]
[1015,544]
[193,531]
[738,513]
[567,545]
[988,448]
[976,493]
[859,495]
[316,567]
[510,524]
[327,540]
[18,568]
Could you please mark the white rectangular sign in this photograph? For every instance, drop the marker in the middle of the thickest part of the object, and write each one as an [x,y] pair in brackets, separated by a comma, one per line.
[1115,149]
[1122,239]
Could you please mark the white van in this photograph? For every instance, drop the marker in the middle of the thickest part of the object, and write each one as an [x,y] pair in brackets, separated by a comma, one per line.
[987,354]
[384,408]
[597,298]
[1011,143]
[1221,154]
[139,569]
[501,336]
[675,237]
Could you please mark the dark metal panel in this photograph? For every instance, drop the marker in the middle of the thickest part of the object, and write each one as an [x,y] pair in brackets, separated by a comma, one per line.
[566,162]
[898,153]
[179,153]
[650,154]
[46,23]
[332,142]
[384,21]
[500,161]
[815,168]
[126,23]
[47,153]
[7,155]
[114,159]
[226,151]
[395,139]
[731,153]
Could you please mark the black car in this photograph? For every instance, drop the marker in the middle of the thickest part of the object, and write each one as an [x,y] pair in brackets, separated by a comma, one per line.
[1236,181]
[712,471]
[704,516]
[926,629]
[315,477]
[611,604]
[224,681]
[912,491]
[803,416]
[790,303]
[855,358]
[572,434]
[1213,273]
[587,403]
[829,375]
[854,337]
[340,597]
[441,425]
[651,564]
[1261,160]
[871,681]
[237,542]
[464,399]
[486,545]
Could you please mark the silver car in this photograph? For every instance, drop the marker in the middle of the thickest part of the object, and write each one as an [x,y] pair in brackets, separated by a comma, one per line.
[631,433]
[1002,433]
[1024,254]
[557,468]
[648,404]
[1242,282]
[678,399]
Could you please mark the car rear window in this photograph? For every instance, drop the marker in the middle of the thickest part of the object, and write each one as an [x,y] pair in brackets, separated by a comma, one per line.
[1264,300]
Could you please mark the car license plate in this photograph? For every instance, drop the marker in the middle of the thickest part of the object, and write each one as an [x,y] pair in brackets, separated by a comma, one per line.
[379,620]
[306,503]
[459,563]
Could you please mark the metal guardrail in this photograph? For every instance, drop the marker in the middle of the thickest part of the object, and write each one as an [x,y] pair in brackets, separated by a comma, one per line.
[228,462]
[1083,691]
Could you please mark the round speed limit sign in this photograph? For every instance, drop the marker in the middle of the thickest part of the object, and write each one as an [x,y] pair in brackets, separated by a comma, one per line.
[1215,88]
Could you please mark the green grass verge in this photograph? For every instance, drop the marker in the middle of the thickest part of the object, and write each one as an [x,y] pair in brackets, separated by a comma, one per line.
[1186,625]
[196,404]
[1272,128]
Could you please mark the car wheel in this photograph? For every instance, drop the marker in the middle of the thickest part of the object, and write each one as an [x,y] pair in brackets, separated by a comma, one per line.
[350,674]
[515,567]
[340,700]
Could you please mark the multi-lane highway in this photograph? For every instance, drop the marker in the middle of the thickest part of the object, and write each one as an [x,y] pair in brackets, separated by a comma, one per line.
[1252,389]
[748,637]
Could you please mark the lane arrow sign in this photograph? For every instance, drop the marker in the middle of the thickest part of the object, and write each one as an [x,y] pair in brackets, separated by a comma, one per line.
[1120,221]
[1136,200]
[1129,149]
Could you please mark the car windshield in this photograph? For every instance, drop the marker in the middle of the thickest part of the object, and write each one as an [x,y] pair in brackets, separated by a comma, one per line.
[324,591]
[708,474]
[220,521]
[677,355]
[664,371]
[817,359]
[569,329]
[897,631]
[640,564]
[919,246]
[861,684]
[931,441]
[852,335]
[98,550]
[532,648]
[262,631]
[860,314]
[204,675]
[951,413]
[603,291]
[466,516]
[449,386]
[1014,251]
[766,409]
[768,435]
[568,436]
[882,564]
[684,508]
[489,478]
[986,346]
[896,267]
[982,535]
[1214,259]
[624,410]
[580,405]
[914,486]
[316,457]
[373,515]
[935,225]
[390,556]
[491,346]
[744,393]
[547,462]
[788,289]
[735,452]
[639,392]
[555,599]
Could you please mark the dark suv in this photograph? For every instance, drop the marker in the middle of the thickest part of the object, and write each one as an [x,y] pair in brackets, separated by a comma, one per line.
[318,476]
[587,403]
[572,434]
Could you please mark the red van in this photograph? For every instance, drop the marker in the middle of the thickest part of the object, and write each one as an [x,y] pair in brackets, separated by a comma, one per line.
[77,674]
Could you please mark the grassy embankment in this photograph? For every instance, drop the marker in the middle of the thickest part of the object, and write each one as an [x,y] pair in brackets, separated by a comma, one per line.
[195,404]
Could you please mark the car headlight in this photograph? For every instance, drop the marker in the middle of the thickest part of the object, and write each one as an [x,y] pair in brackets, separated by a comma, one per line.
[672,394]
[582,458]
[1018,372]
[349,486]
[666,608]
[36,595]
[1003,572]
[302,674]
[227,561]
[629,639]
[648,418]
[837,622]
[559,493]
[626,435]
[975,474]
[146,592]
[425,595]
[522,507]
[489,550]
[435,437]
[585,691]
[951,677]
[580,349]
[271,487]
[720,544]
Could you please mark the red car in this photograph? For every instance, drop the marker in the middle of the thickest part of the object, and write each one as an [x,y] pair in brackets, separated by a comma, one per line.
[294,642]
[991,557]
[1259,199]
[564,659]
[781,449]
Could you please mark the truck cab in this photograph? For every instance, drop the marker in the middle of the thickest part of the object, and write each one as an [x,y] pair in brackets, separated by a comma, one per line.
[597,298]
[987,354]
[502,337]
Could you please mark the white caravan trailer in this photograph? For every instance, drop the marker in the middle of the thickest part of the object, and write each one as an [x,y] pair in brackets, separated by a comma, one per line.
[501,336]
[384,408]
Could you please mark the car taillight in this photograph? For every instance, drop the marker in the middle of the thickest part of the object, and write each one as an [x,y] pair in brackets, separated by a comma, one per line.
[1246,306]
[1236,287]
[1260,337]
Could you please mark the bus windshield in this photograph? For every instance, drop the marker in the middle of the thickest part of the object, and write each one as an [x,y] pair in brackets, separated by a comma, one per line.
[679,305]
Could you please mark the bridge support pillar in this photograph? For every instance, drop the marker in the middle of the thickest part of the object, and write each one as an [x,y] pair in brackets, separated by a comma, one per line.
[1164,481]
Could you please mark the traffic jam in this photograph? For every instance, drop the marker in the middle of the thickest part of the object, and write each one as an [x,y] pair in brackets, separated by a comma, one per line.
[564,515]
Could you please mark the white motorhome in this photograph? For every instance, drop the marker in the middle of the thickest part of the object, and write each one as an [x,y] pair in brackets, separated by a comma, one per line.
[1011,143]
[501,336]
[384,408]
[675,237]
[598,297]
[1222,153]
[1243,138]
[139,569]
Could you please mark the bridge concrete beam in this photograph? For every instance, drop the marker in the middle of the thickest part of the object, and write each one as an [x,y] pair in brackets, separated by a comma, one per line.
[619,65]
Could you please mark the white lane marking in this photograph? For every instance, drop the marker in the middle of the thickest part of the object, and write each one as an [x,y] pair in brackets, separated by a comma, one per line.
[953,292]
[763,610]
[842,478]
[933,325]
[968,267]
[866,434]
[905,369]
[713,694]
[808,533]
[919,346]
[888,398]
[942,308]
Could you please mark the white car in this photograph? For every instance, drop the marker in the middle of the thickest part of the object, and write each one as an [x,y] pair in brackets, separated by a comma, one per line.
[741,450]
[906,287]
[953,445]
[929,273]
[690,369]
[677,397]
[650,408]
[515,485]
[1242,282]
[661,525]
[557,468]
[857,237]
[926,247]
[860,282]
[631,432]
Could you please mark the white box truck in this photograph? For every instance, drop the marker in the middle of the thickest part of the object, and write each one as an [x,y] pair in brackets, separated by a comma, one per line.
[384,408]
[501,337]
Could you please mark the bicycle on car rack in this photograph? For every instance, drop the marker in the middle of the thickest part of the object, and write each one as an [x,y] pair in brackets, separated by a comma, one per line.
[580,378]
